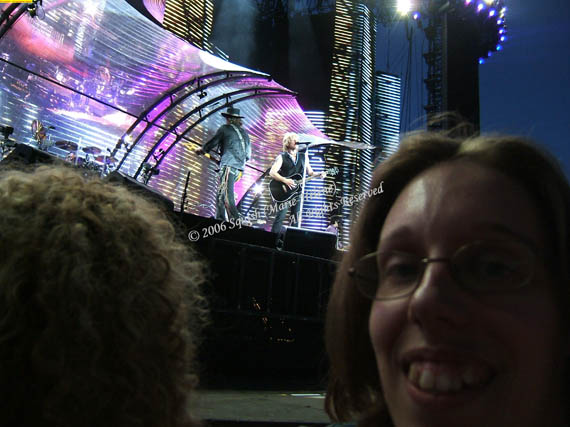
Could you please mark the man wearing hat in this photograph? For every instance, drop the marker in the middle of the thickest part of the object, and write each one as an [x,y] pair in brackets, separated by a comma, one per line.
[235,148]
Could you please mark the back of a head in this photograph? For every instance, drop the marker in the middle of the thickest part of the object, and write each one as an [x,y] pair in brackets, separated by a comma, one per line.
[96,299]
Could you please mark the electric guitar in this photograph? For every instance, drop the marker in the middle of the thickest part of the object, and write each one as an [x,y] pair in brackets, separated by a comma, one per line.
[281,193]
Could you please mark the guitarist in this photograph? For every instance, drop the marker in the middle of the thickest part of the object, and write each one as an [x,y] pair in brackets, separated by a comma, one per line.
[288,163]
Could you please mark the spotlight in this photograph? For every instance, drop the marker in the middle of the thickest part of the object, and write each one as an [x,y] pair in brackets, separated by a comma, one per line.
[480,7]
[492,13]
[404,6]
[416,16]
[503,38]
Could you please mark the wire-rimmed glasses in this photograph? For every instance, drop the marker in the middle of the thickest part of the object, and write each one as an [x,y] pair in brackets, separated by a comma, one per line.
[481,266]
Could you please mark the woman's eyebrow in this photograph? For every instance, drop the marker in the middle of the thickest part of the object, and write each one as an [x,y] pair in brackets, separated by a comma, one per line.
[503,229]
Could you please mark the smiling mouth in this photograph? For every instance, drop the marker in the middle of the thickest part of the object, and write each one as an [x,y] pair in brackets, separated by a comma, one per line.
[447,377]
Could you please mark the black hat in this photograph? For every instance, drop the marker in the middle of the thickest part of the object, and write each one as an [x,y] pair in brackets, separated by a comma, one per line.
[232,112]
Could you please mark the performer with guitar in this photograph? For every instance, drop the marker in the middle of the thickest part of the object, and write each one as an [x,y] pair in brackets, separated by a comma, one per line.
[235,147]
[289,163]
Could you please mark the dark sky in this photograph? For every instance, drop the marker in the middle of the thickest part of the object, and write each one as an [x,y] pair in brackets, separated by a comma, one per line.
[525,88]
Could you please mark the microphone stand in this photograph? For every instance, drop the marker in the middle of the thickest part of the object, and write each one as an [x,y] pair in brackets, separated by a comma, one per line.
[183,202]
[302,195]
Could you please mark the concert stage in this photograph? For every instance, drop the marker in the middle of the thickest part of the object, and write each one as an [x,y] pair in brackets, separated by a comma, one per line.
[267,304]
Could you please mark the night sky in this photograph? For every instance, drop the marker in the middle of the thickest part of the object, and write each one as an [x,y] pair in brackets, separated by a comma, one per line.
[525,88]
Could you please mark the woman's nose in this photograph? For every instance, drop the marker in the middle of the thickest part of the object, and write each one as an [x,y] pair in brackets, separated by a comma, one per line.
[438,300]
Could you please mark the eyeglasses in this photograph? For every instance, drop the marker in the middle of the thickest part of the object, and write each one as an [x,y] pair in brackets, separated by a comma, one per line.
[482,266]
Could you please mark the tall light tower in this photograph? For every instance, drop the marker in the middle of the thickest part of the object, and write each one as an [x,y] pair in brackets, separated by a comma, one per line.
[461,35]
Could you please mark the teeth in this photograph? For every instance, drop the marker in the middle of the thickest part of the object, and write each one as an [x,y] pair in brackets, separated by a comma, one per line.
[456,383]
[427,379]
[469,376]
[414,374]
[446,378]
[443,382]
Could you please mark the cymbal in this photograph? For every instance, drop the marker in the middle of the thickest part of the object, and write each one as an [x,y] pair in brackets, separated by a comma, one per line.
[66,145]
[105,159]
[91,150]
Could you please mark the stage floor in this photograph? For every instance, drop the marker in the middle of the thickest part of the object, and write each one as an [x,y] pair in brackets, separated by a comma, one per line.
[239,407]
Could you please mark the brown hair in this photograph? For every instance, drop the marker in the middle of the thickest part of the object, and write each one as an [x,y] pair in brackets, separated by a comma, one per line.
[354,389]
[99,305]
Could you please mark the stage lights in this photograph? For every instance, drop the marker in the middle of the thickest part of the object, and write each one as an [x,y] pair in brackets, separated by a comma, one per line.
[480,7]
[404,6]
[416,16]
[492,12]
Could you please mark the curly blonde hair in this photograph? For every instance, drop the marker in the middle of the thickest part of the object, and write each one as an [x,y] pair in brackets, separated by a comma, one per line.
[99,305]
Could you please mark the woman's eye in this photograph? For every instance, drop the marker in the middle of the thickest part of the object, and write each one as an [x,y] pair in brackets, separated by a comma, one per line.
[494,269]
[400,271]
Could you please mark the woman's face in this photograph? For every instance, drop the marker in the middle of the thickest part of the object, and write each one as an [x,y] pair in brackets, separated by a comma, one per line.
[448,356]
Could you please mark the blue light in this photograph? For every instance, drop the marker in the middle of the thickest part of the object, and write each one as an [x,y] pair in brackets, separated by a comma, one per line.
[480,7]
[503,38]
[489,54]
[501,31]
[468,2]
[499,47]
[481,61]
[500,21]
[492,13]
[416,15]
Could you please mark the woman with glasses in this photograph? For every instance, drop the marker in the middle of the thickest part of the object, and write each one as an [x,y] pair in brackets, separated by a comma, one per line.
[452,306]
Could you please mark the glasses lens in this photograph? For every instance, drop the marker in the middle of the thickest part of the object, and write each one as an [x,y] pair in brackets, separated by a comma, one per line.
[364,274]
[398,273]
[386,275]
[494,266]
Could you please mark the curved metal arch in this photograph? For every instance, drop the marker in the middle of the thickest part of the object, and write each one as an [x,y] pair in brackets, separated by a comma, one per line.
[275,91]
[7,20]
[181,120]
[230,75]
[166,110]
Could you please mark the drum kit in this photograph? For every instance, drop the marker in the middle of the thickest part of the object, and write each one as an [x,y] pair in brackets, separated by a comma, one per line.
[88,158]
